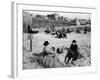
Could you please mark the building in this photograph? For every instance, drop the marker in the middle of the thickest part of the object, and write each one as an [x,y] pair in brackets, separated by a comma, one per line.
[53,16]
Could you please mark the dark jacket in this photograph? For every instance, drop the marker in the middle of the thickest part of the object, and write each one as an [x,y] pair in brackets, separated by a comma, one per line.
[74,48]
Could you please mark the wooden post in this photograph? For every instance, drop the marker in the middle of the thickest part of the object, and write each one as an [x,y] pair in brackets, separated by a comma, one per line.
[30,41]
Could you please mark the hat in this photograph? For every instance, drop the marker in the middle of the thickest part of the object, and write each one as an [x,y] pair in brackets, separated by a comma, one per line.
[46,43]
[74,41]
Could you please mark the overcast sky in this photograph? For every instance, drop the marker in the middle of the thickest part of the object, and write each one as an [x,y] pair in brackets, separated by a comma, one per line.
[69,15]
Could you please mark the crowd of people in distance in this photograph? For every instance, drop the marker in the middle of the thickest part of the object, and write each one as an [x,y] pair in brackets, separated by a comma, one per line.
[60,33]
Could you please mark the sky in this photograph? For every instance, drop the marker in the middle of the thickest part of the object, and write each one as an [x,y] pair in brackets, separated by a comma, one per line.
[67,14]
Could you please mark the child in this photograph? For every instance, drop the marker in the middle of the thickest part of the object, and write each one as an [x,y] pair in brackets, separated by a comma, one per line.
[45,44]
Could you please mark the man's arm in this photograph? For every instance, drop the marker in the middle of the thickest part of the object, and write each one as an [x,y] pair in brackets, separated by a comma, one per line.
[71,46]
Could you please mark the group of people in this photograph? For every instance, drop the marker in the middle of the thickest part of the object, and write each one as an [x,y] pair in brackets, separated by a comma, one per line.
[60,33]
[72,53]
[50,30]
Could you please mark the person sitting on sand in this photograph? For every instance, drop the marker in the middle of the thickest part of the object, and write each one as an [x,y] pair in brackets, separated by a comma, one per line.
[45,44]
[72,52]
[46,49]
[74,48]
